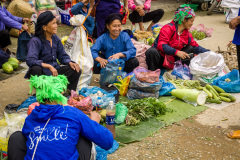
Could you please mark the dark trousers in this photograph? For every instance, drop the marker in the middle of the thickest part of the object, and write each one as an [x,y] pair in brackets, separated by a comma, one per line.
[153,16]
[155,60]
[238,56]
[130,65]
[72,75]
[17,148]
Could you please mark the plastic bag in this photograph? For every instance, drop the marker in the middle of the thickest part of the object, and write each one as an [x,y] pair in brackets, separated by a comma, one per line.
[123,85]
[181,71]
[121,113]
[207,66]
[80,102]
[230,82]
[167,87]
[145,87]
[135,94]
[92,92]
[102,153]
[144,75]
[27,102]
[111,71]
[230,4]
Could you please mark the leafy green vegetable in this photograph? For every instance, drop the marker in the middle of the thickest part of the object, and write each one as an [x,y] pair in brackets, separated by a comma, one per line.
[185,84]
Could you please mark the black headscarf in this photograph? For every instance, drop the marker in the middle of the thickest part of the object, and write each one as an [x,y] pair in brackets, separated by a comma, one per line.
[111,18]
[4,38]
[43,19]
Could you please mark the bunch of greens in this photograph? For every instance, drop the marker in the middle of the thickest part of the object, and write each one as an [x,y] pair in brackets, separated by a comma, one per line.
[142,109]
[185,84]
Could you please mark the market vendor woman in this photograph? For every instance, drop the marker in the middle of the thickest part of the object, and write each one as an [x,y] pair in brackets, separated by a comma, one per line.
[45,48]
[174,42]
[114,44]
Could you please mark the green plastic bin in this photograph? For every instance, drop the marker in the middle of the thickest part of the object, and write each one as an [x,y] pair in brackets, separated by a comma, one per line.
[193,6]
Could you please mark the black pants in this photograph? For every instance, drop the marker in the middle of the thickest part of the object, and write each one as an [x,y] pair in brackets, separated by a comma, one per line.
[155,60]
[72,75]
[130,65]
[17,148]
[238,56]
[153,16]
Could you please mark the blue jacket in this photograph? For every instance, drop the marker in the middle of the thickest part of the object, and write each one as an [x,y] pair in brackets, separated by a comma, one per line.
[109,47]
[7,19]
[60,136]
[3,57]
[236,38]
[90,22]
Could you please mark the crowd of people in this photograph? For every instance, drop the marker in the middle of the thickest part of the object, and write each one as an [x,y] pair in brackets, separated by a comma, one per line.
[74,130]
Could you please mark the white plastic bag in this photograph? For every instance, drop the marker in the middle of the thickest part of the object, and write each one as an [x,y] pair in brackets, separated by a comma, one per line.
[207,66]
[230,4]
[230,13]
[78,49]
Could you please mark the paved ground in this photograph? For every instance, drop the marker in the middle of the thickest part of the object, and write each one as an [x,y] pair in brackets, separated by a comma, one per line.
[199,137]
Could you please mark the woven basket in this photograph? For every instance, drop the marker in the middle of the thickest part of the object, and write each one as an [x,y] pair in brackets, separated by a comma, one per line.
[22,9]
[230,56]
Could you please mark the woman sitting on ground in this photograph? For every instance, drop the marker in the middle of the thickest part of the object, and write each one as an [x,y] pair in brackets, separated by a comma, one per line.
[45,48]
[5,41]
[174,42]
[140,13]
[54,131]
[114,44]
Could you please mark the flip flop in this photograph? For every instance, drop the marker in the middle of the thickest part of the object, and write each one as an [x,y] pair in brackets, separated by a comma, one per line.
[236,134]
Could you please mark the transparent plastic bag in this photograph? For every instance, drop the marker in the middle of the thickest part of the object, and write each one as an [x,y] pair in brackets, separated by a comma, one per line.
[181,71]
[93,93]
[230,82]
[167,87]
[135,94]
[144,75]
[121,113]
[82,103]
[111,71]
[146,87]
[123,85]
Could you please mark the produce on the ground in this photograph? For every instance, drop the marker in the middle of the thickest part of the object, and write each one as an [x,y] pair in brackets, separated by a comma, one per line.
[198,35]
[142,109]
[150,41]
[13,59]
[190,95]
[142,34]
[185,84]
[214,101]
[7,68]
[228,80]
[14,64]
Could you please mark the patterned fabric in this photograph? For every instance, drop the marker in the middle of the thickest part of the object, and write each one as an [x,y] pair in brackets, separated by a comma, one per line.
[183,13]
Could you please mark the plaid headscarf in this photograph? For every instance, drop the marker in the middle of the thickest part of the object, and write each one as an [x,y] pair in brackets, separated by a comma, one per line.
[183,13]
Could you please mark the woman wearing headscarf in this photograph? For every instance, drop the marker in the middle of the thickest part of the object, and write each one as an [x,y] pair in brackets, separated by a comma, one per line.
[45,48]
[4,43]
[174,42]
[114,44]
[54,131]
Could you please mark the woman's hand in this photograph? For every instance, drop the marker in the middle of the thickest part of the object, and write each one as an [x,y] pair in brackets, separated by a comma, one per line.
[140,10]
[25,20]
[95,116]
[117,56]
[182,54]
[74,66]
[234,22]
[103,62]
[25,27]
[53,70]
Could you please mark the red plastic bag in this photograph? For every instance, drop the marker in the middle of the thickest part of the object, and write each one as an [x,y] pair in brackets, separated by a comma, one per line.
[144,75]
[31,107]
[82,103]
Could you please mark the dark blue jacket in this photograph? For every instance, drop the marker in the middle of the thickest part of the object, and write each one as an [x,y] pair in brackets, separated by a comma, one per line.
[3,57]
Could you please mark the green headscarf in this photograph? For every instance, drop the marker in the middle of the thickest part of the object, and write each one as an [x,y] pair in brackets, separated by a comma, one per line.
[49,88]
[183,13]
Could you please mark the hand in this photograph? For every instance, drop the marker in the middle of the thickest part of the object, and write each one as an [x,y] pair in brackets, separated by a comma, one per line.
[25,20]
[125,9]
[95,116]
[74,66]
[116,56]
[234,22]
[141,13]
[139,7]
[25,27]
[103,62]
[54,71]
[182,54]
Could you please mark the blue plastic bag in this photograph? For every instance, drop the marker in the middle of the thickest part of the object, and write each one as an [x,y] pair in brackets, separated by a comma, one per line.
[167,87]
[111,71]
[107,96]
[231,87]
[181,71]
[27,102]
[146,87]
[102,153]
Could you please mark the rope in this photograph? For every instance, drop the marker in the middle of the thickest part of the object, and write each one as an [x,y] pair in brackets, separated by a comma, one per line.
[170,100]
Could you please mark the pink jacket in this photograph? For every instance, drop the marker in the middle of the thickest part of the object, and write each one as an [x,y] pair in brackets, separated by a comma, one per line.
[133,3]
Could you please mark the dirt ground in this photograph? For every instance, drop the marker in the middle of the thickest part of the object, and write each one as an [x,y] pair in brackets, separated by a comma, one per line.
[199,137]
